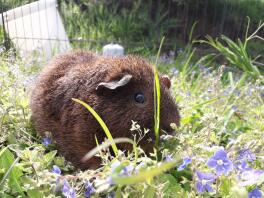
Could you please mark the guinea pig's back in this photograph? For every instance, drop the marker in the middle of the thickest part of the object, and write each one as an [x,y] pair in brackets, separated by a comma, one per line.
[48,92]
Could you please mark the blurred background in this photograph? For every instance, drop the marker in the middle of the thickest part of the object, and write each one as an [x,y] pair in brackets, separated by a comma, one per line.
[137,25]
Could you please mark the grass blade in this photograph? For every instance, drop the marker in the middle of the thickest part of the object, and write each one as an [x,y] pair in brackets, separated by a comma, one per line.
[101,122]
[144,175]
[157,96]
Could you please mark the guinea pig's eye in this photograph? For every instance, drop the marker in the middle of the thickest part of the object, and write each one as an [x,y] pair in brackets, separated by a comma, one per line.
[139,98]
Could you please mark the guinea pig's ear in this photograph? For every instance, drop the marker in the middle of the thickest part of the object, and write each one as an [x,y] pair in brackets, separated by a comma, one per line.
[112,85]
[164,79]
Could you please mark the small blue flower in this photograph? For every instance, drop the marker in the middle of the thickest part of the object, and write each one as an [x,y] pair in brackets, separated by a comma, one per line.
[114,165]
[46,141]
[179,51]
[67,191]
[89,189]
[220,162]
[237,92]
[247,155]
[168,158]
[127,170]
[250,177]
[242,166]
[227,91]
[234,107]
[109,180]
[186,161]
[174,71]
[111,195]
[205,180]
[56,170]
[140,166]
[255,193]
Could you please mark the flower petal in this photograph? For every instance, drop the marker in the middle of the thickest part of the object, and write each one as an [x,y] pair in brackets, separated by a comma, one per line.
[255,193]
[187,160]
[200,188]
[220,170]
[205,176]
[220,154]
[212,162]
[208,188]
[181,167]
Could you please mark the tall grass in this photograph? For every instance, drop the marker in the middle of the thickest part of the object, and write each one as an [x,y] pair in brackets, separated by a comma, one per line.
[157,96]
[215,112]
[236,52]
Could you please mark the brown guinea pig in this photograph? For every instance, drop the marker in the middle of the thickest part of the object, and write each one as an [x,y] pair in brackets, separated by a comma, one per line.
[119,89]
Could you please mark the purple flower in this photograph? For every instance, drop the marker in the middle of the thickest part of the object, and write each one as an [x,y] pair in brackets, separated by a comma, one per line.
[56,170]
[250,177]
[227,91]
[114,165]
[242,166]
[111,195]
[186,161]
[234,107]
[220,162]
[46,141]
[89,189]
[205,180]
[109,180]
[255,193]
[247,155]
[127,170]
[174,71]
[168,158]
[179,51]
[67,191]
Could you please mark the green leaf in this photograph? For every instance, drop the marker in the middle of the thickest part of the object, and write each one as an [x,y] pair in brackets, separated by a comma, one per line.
[149,192]
[144,175]
[13,173]
[118,193]
[49,157]
[34,194]
[4,195]
[225,186]
[238,192]
[171,186]
[157,96]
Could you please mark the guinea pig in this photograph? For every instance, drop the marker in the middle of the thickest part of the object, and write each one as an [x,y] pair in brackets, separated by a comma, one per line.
[119,89]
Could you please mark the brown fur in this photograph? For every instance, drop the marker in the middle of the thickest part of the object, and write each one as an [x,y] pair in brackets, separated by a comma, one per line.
[76,75]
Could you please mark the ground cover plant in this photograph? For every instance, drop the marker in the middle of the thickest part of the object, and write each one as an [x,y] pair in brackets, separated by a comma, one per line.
[216,152]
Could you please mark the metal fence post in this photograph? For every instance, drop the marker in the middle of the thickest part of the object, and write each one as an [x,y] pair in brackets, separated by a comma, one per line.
[6,39]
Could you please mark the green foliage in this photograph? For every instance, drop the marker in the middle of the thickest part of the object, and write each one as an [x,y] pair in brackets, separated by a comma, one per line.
[236,53]
[218,109]
[157,96]
[101,24]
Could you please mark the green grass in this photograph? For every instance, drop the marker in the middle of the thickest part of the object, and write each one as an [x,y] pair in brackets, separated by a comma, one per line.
[218,108]
[237,52]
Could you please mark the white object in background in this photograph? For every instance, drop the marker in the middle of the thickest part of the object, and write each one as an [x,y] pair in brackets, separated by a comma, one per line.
[37,28]
[113,50]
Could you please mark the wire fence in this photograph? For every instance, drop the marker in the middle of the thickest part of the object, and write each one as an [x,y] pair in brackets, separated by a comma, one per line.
[38,26]
[35,28]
